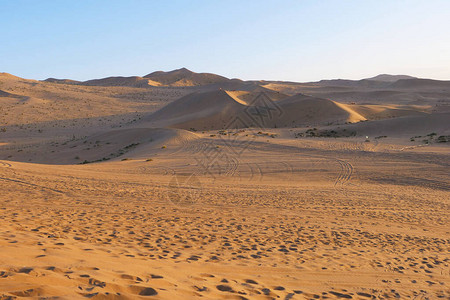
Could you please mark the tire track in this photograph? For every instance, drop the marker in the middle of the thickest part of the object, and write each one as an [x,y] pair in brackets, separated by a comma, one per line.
[261,174]
[288,167]
[345,174]
[31,184]
[252,173]
[27,183]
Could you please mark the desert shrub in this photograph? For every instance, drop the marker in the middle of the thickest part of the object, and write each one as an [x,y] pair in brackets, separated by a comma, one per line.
[443,139]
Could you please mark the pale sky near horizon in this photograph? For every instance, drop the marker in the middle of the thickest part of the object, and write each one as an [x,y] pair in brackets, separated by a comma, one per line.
[271,40]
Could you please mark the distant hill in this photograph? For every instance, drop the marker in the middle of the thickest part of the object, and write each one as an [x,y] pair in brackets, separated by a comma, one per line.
[385,81]
[185,77]
[63,81]
[176,78]
[421,83]
[210,82]
[390,78]
[365,83]
[132,81]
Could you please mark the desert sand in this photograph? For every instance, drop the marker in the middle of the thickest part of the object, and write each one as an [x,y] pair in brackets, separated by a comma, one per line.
[183,185]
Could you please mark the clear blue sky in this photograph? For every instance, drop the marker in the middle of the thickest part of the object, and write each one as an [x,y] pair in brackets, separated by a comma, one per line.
[282,40]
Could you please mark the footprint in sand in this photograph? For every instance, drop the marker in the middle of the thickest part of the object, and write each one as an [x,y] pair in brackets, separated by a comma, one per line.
[143,291]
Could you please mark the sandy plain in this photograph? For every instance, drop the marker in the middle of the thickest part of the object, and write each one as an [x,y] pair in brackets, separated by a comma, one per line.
[97,202]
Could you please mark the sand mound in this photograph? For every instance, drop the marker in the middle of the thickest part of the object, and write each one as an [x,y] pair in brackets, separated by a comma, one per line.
[390,78]
[388,82]
[248,97]
[420,83]
[133,81]
[305,110]
[62,81]
[408,126]
[364,83]
[377,112]
[115,145]
[184,77]
[220,109]
[210,110]
[177,78]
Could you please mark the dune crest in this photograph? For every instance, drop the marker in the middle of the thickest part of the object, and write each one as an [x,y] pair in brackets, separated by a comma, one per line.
[216,109]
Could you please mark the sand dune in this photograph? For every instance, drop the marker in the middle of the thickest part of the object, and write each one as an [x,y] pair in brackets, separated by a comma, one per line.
[215,110]
[306,110]
[376,112]
[184,77]
[435,96]
[210,110]
[62,81]
[134,81]
[421,83]
[176,78]
[390,78]
[111,145]
[407,126]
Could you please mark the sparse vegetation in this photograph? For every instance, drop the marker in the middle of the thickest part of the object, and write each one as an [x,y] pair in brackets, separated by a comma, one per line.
[443,139]
[112,155]
[431,138]
[272,135]
[314,132]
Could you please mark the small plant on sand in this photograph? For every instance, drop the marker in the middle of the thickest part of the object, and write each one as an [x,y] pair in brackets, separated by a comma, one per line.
[163,147]
[149,159]
[131,146]
[443,139]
